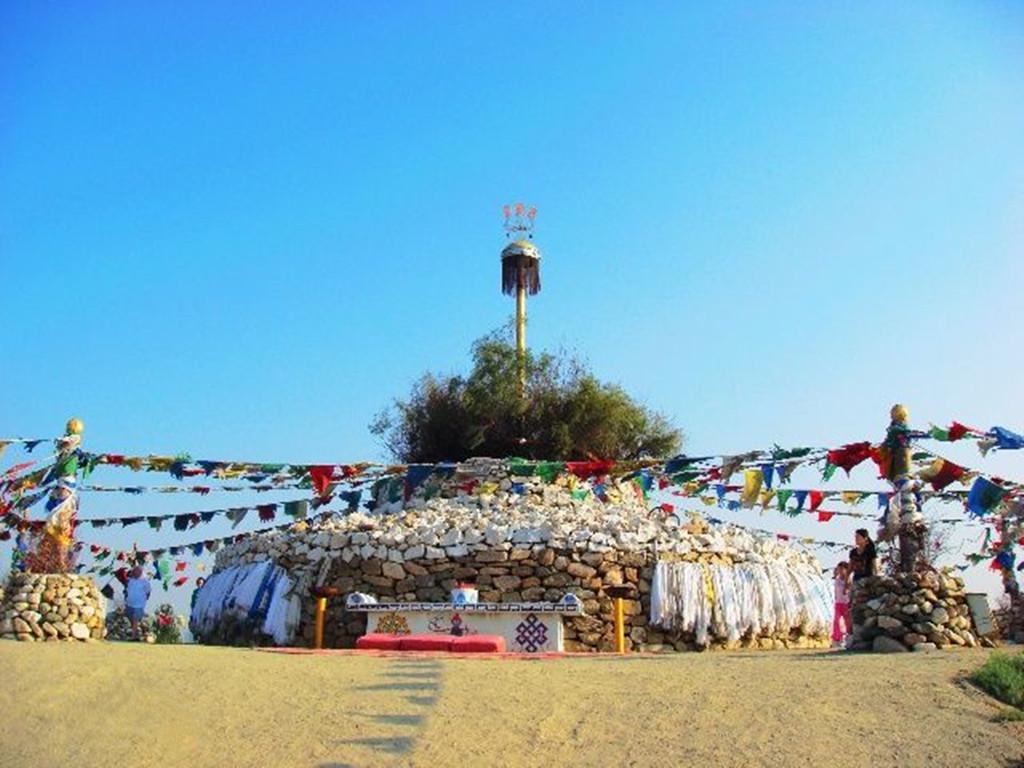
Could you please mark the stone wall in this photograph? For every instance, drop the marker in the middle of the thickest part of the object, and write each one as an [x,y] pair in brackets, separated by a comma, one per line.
[920,612]
[516,539]
[52,607]
[515,574]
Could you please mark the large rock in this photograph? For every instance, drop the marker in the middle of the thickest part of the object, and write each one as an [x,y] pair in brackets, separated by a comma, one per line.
[883,644]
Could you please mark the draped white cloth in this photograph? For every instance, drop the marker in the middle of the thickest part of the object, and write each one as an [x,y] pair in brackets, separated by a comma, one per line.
[261,593]
[728,602]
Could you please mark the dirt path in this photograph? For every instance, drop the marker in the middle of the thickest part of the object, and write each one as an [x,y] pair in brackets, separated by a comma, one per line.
[114,704]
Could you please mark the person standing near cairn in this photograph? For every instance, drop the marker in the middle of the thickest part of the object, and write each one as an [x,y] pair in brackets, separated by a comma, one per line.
[136,593]
[195,592]
[863,557]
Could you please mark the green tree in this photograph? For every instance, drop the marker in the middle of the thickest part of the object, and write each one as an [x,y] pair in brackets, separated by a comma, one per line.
[567,413]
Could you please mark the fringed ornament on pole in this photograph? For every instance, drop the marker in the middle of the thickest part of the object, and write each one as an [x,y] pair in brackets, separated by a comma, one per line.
[520,272]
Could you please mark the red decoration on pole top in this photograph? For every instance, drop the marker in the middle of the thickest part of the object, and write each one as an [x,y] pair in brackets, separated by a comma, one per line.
[519,219]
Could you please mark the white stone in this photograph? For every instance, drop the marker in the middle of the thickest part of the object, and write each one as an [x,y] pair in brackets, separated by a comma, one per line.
[457,550]
[493,534]
[416,552]
[79,631]
[434,553]
[453,536]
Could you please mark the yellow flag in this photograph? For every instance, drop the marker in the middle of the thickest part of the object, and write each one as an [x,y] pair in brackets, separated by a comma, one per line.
[766,498]
[850,497]
[752,479]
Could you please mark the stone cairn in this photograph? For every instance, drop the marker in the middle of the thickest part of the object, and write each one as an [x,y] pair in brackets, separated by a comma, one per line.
[912,612]
[48,606]
[1010,620]
[517,539]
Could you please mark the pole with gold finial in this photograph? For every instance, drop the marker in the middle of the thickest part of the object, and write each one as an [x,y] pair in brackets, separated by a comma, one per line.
[520,274]
[53,551]
[902,519]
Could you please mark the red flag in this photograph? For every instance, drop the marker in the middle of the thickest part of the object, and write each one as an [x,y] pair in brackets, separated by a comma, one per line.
[321,475]
[662,483]
[881,456]
[816,498]
[849,456]
[782,536]
[824,517]
[180,566]
[266,512]
[668,509]
[957,430]
[585,469]
[948,473]
[180,580]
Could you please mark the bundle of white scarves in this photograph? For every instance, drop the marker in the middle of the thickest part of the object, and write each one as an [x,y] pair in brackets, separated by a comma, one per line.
[261,593]
[727,602]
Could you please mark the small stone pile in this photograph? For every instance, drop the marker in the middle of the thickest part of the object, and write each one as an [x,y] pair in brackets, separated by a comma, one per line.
[517,539]
[918,612]
[52,606]
[1010,620]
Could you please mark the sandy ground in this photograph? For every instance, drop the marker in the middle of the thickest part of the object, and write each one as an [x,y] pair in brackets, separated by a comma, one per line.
[135,705]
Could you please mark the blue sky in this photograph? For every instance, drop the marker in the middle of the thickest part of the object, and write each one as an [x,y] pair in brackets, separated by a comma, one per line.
[239,231]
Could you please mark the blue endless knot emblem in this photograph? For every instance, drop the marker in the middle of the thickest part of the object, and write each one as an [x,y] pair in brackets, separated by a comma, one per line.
[531,634]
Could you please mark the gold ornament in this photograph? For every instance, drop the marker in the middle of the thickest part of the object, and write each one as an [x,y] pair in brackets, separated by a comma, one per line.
[75,426]
[899,414]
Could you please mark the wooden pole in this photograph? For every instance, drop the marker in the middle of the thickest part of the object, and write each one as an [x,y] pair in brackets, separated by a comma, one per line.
[521,328]
[318,627]
[620,625]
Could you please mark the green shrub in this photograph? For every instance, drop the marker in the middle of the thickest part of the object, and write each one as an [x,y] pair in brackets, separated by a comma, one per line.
[1002,677]
[568,413]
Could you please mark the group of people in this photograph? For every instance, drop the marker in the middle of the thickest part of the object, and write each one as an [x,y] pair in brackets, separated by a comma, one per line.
[862,562]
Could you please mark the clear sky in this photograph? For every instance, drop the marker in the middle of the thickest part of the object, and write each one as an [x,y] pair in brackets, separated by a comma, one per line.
[238,231]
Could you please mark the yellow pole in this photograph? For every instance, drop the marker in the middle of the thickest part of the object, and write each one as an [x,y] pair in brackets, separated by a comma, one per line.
[620,625]
[318,627]
[521,328]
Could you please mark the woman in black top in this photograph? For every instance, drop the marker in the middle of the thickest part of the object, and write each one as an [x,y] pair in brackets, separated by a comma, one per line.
[863,559]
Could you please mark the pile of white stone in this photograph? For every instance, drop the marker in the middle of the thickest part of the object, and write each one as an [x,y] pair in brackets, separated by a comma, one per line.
[517,539]
[52,606]
[539,515]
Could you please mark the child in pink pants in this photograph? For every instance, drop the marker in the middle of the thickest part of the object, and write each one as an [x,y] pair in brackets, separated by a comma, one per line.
[841,579]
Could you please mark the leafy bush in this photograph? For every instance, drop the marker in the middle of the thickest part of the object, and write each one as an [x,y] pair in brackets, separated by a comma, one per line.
[1002,676]
[167,625]
[567,413]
